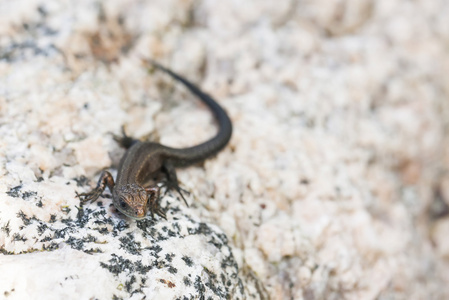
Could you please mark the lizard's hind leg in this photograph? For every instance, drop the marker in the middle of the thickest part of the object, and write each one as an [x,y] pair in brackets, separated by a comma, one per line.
[124,140]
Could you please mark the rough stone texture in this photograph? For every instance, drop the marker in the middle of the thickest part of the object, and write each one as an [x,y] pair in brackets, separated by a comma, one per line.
[335,184]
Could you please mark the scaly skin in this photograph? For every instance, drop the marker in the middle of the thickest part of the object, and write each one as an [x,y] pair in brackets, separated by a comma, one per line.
[144,161]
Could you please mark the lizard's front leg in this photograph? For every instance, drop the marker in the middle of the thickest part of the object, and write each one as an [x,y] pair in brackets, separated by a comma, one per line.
[153,202]
[105,180]
[172,180]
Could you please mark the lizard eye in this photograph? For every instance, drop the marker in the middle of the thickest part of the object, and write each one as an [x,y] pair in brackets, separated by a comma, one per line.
[122,204]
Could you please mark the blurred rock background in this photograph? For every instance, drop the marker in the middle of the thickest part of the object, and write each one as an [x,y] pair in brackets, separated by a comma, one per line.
[335,184]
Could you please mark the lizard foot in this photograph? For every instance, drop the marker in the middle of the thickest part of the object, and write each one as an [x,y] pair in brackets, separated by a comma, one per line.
[169,185]
[91,196]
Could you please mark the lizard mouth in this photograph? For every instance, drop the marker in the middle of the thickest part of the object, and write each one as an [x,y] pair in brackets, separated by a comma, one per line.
[137,218]
[134,217]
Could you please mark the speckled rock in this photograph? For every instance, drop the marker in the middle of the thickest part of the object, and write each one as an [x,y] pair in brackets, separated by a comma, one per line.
[334,184]
[103,255]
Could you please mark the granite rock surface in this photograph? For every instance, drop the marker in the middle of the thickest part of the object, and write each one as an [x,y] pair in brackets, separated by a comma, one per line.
[335,184]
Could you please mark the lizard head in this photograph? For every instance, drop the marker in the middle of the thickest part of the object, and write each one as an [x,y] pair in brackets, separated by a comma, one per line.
[131,200]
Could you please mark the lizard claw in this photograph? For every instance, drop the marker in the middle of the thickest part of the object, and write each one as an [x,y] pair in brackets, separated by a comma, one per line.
[91,196]
[160,213]
[104,180]
[170,185]
[156,209]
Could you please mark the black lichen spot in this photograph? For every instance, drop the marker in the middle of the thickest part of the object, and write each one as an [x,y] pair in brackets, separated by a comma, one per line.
[27,195]
[62,233]
[51,247]
[41,228]
[90,239]
[159,264]
[129,283]
[212,278]
[4,252]
[69,222]
[187,281]
[229,262]
[129,244]
[188,261]
[6,229]
[25,220]
[46,239]
[120,226]
[156,248]
[102,230]
[93,250]
[117,264]
[52,218]
[81,181]
[17,237]
[176,227]
[199,286]
[39,203]
[202,228]
[77,244]
[216,243]
[142,269]
[15,191]
[147,226]
[160,237]
[169,257]
[100,216]
[172,270]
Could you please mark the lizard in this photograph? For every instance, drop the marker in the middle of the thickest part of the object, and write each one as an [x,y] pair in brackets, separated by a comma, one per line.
[133,193]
